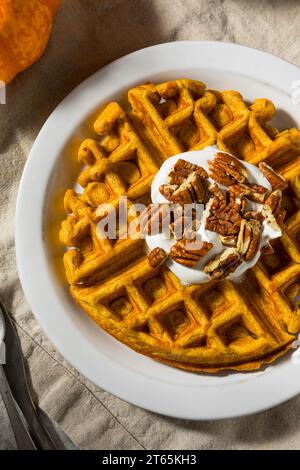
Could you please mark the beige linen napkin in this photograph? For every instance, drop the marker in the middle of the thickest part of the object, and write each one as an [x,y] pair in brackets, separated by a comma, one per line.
[87,35]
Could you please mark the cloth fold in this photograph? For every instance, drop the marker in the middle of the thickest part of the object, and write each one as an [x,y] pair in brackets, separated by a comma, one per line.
[87,35]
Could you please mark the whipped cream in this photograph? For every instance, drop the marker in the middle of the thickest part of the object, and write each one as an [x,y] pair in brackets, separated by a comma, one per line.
[296,355]
[196,275]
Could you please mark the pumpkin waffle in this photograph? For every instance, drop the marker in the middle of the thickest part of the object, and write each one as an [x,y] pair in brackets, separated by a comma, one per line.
[206,327]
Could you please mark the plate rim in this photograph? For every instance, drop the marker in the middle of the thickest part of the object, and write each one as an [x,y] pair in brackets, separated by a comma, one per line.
[24,238]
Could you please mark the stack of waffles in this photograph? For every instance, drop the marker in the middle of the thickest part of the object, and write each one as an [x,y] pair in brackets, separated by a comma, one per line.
[206,327]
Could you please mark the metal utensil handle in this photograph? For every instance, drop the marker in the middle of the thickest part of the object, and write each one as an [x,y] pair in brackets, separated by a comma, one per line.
[22,436]
[16,376]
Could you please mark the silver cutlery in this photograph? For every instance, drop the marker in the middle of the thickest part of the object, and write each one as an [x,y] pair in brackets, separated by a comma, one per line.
[21,433]
[16,394]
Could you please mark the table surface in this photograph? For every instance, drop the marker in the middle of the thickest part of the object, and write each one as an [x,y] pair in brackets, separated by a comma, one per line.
[86,36]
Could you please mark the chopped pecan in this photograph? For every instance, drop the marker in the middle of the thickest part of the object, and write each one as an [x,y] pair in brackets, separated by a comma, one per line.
[223,264]
[223,214]
[201,172]
[273,201]
[182,169]
[167,190]
[184,165]
[243,204]
[152,219]
[188,252]
[272,210]
[249,239]
[271,219]
[193,189]
[276,181]
[218,199]
[228,240]
[239,204]
[183,223]
[227,170]
[222,201]
[223,224]
[253,192]
[157,257]
[253,215]
[187,183]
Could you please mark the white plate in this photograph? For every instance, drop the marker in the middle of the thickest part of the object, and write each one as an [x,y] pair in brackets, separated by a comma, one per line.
[51,168]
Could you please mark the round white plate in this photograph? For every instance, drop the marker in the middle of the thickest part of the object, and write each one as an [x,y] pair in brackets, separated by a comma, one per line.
[52,167]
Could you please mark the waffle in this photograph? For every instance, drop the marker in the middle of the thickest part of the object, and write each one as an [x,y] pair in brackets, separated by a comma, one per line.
[207,327]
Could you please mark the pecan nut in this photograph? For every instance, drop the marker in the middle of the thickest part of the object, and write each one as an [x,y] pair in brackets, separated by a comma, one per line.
[253,192]
[188,252]
[152,219]
[253,215]
[227,170]
[157,257]
[217,198]
[276,181]
[223,264]
[228,240]
[223,224]
[193,189]
[187,183]
[184,222]
[182,169]
[249,239]
[273,201]
[272,210]
[223,214]
[243,204]
[167,190]
[223,201]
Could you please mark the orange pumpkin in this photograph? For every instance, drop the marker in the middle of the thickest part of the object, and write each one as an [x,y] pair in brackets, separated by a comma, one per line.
[25,28]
